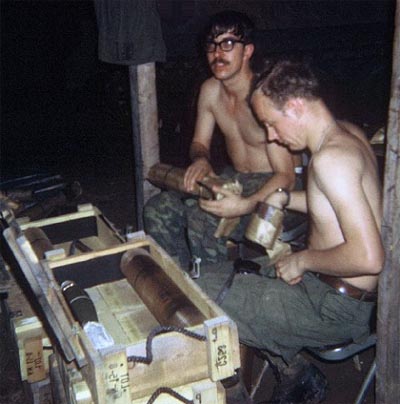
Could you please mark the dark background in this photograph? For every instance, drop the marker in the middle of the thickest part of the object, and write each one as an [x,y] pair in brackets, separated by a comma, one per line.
[64,111]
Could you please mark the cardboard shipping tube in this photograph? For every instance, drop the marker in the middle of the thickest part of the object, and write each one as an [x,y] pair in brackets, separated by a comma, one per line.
[161,296]
[38,240]
[169,177]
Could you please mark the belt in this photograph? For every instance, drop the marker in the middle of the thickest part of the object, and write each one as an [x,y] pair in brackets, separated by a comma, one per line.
[346,289]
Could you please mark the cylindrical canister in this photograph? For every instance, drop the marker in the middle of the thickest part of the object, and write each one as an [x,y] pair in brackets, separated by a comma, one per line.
[265,225]
[38,240]
[79,302]
[169,177]
[159,293]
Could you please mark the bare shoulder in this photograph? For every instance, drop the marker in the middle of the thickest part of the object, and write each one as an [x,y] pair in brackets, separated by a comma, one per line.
[353,129]
[210,88]
[341,152]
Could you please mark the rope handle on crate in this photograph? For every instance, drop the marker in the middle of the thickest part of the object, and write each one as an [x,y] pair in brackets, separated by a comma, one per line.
[169,391]
[161,330]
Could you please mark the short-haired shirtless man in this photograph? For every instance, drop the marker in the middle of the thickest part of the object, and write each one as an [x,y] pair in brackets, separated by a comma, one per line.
[324,294]
[260,166]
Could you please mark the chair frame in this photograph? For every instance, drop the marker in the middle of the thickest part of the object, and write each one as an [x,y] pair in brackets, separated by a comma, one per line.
[351,350]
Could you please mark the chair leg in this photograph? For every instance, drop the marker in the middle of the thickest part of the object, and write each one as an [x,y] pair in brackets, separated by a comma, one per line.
[367,381]
[257,383]
[357,363]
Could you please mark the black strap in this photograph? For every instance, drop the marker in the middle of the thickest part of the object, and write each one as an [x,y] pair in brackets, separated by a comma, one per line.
[240,266]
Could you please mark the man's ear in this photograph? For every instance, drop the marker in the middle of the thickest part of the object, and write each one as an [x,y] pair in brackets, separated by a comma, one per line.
[294,107]
[248,50]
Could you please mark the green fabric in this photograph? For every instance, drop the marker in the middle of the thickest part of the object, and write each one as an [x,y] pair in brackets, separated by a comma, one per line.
[274,316]
[184,230]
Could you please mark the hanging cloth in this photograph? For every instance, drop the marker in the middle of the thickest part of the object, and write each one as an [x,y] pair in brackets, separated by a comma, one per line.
[129,32]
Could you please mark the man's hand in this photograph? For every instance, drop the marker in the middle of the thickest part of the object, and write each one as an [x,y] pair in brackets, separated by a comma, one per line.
[290,268]
[229,206]
[277,199]
[196,172]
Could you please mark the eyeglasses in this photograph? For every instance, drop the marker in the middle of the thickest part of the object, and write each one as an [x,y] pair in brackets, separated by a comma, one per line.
[225,45]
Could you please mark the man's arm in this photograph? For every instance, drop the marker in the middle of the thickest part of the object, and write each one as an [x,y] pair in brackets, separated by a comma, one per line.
[282,164]
[297,200]
[338,176]
[233,205]
[200,147]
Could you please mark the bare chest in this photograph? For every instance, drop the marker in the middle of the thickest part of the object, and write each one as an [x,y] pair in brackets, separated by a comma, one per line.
[239,125]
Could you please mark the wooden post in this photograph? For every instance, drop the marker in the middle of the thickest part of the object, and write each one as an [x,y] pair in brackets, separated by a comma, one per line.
[144,131]
[388,345]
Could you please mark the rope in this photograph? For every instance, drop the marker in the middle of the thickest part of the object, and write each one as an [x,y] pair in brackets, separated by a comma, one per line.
[169,391]
[161,330]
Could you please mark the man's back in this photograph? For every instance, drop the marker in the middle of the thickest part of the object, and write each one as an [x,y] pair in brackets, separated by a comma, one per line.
[346,185]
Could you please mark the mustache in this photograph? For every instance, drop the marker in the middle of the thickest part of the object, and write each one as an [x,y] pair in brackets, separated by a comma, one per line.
[219,60]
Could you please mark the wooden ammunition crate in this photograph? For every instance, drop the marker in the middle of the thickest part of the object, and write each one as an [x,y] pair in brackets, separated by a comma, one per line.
[190,365]
[87,225]
[34,348]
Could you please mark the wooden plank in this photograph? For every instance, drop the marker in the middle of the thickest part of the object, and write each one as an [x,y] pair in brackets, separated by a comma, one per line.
[96,254]
[107,233]
[388,330]
[81,393]
[93,372]
[35,370]
[208,392]
[116,378]
[106,317]
[201,392]
[82,213]
[172,352]
[33,347]
[57,385]
[219,348]
[122,312]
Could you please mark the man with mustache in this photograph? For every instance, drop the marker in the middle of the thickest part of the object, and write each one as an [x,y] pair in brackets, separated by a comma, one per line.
[181,226]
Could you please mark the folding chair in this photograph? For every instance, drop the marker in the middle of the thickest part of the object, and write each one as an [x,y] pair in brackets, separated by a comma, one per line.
[334,354]
[351,350]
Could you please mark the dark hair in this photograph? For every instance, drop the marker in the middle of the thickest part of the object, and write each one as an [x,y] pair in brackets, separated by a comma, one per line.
[235,22]
[286,78]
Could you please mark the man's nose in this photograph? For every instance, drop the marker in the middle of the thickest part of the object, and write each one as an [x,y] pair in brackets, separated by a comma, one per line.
[217,51]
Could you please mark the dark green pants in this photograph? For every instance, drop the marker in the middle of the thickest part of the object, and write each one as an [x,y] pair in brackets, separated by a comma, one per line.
[274,316]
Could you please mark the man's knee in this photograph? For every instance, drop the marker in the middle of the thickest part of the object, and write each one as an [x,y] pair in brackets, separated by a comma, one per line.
[161,204]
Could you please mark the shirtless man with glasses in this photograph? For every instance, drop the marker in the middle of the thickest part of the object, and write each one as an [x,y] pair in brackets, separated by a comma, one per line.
[182,227]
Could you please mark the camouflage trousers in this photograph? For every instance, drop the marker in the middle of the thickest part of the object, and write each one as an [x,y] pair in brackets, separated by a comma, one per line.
[185,231]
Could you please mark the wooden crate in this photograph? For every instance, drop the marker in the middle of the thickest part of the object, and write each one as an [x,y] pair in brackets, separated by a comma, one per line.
[34,348]
[191,366]
[87,225]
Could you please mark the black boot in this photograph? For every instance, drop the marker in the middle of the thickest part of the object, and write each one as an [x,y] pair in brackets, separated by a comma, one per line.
[235,390]
[307,386]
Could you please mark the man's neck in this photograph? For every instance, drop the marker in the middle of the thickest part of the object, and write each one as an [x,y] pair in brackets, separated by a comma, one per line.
[321,125]
[238,86]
